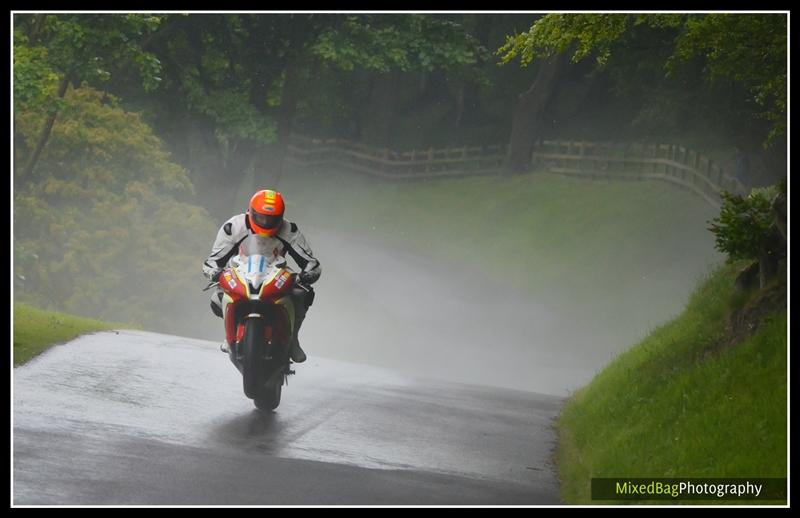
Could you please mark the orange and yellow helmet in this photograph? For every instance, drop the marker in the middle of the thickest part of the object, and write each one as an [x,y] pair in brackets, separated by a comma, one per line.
[265,213]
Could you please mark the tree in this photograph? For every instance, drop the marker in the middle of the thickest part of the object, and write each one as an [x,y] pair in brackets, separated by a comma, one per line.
[727,45]
[749,228]
[235,81]
[529,115]
[108,230]
[75,48]
[388,47]
[242,81]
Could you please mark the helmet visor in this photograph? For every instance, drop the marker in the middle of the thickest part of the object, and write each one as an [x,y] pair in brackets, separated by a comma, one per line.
[265,220]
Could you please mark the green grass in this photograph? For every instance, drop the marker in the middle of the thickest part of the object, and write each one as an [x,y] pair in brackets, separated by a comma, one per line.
[36,330]
[558,224]
[670,408]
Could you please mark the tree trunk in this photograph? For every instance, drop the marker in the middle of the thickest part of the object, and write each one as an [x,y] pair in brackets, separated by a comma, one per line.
[378,111]
[460,94]
[779,206]
[163,30]
[528,119]
[291,87]
[769,253]
[241,160]
[36,29]
[767,265]
[44,136]
[747,277]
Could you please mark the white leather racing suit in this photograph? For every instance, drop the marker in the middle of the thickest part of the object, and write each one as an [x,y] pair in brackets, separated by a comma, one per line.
[289,240]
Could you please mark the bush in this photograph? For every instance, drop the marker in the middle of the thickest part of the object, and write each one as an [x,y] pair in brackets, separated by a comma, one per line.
[746,228]
[106,228]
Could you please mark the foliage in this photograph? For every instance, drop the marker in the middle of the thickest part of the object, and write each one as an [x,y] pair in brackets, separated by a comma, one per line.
[387,42]
[556,33]
[232,112]
[234,68]
[729,45]
[107,213]
[35,81]
[749,49]
[90,47]
[72,48]
[98,145]
[210,69]
[745,225]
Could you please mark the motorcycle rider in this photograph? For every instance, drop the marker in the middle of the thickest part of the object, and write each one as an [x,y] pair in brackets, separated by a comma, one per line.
[264,217]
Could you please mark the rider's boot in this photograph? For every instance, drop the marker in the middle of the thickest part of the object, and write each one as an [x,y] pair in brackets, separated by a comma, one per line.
[296,352]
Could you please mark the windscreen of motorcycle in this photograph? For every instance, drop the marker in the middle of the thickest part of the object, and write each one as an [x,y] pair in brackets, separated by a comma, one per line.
[256,244]
[257,259]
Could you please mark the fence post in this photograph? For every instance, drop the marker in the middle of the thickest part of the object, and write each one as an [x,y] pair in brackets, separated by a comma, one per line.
[430,159]
[655,156]
[670,168]
[708,169]
[598,154]
[624,153]
[717,174]
[710,174]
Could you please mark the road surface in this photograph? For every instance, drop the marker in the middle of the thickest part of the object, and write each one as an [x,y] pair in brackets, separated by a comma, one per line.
[138,418]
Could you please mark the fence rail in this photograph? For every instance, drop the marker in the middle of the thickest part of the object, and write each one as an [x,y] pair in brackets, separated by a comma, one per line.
[387,163]
[635,161]
[591,160]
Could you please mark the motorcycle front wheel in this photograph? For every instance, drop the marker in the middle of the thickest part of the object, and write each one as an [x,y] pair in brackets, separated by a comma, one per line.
[252,364]
[271,396]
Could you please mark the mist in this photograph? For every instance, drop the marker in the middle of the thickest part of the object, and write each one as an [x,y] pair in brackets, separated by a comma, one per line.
[386,300]
[453,279]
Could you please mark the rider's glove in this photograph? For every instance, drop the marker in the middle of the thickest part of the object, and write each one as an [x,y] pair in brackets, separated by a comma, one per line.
[215,276]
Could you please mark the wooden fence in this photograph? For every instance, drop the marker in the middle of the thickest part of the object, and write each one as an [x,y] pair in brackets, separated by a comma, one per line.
[386,163]
[635,161]
[591,160]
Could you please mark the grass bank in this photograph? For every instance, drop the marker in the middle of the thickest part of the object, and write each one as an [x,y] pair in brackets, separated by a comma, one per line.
[619,257]
[564,229]
[35,330]
[701,396]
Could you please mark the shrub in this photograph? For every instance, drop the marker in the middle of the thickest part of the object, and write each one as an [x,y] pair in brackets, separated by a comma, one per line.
[746,228]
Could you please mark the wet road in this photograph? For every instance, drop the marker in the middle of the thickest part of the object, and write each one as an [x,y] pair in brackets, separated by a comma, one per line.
[143,418]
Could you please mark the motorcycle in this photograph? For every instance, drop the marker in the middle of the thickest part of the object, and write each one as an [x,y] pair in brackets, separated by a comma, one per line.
[259,315]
